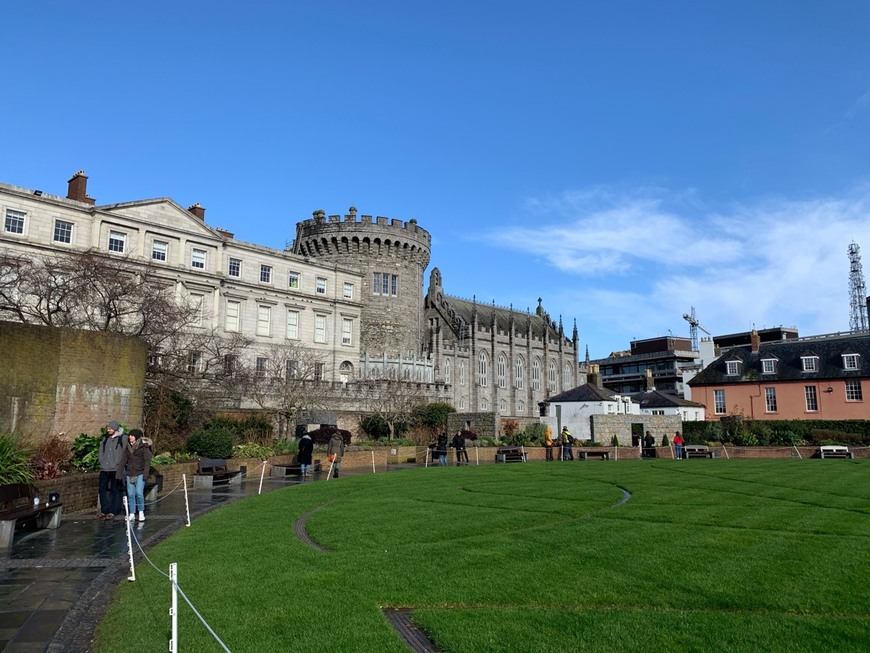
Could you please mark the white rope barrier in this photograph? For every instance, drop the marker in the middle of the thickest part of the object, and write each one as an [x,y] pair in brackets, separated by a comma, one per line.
[173,609]
[129,522]
[156,501]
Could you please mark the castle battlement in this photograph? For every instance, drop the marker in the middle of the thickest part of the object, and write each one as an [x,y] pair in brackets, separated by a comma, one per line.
[363,226]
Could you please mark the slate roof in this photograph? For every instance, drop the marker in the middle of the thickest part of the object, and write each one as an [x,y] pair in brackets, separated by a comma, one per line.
[522,319]
[585,392]
[657,399]
[789,366]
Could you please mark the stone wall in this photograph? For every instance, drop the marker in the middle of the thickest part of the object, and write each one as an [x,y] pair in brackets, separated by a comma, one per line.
[68,381]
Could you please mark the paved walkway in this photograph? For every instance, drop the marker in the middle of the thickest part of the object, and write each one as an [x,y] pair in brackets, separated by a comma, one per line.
[56,584]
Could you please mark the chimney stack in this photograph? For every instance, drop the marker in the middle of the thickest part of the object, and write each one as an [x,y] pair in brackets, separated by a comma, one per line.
[755,339]
[648,382]
[198,211]
[78,188]
[593,376]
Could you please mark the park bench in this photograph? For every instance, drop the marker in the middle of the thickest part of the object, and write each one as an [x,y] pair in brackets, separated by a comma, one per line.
[697,451]
[834,451]
[292,469]
[213,471]
[585,455]
[510,455]
[17,505]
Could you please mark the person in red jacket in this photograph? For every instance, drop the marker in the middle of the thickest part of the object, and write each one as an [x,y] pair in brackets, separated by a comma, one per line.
[678,445]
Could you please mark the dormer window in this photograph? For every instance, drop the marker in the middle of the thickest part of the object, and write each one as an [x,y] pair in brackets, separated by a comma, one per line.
[732,368]
[768,366]
[851,361]
[810,363]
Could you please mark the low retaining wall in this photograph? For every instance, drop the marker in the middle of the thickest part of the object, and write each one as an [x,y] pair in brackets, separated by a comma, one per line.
[78,492]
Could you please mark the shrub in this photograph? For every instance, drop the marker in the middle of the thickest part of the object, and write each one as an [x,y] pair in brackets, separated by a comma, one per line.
[283,447]
[163,459]
[216,442]
[14,461]
[86,452]
[375,426]
[433,415]
[614,441]
[324,434]
[51,458]
[251,450]
[666,442]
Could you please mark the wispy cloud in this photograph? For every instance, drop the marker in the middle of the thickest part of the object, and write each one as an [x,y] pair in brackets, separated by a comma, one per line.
[645,256]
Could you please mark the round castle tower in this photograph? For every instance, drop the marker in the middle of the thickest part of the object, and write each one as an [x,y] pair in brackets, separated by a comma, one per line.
[392,256]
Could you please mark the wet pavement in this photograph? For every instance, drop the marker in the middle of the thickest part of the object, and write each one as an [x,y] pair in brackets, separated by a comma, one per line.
[55,584]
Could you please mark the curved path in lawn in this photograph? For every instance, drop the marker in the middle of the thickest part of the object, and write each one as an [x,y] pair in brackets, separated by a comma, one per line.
[400,619]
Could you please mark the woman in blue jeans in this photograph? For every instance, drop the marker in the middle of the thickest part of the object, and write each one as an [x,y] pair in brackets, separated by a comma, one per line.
[136,464]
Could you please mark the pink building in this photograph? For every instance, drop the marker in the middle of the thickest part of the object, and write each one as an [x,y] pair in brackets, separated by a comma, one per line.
[819,377]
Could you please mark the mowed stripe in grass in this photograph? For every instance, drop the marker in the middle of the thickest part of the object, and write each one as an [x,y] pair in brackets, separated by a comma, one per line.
[723,555]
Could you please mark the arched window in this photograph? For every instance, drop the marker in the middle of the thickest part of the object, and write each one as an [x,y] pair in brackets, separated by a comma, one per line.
[567,378]
[462,372]
[520,373]
[536,374]
[502,371]
[447,370]
[345,371]
[462,403]
[521,407]
[482,373]
[502,406]
[484,403]
[551,376]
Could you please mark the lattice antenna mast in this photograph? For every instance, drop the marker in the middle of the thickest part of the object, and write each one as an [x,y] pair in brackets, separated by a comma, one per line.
[857,291]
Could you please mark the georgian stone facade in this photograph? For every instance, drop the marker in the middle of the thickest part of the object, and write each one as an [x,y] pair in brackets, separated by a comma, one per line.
[349,289]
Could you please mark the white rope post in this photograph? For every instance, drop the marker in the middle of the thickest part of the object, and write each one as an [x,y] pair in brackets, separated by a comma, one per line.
[132,576]
[523,451]
[186,502]
[476,456]
[173,610]
[672,449]
[262,474]
[726,452]
[427,457]
[373,462]
[615,453]
[797,451]
[331,463]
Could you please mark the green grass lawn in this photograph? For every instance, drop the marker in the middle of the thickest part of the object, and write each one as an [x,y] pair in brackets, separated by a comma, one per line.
[767,555]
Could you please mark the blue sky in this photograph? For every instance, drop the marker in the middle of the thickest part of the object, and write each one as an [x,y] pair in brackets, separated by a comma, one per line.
[624,161]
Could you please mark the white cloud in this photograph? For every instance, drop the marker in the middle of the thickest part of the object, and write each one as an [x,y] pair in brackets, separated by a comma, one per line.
[631,263]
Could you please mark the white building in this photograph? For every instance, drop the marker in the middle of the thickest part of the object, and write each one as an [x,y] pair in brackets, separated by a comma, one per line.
[577,407]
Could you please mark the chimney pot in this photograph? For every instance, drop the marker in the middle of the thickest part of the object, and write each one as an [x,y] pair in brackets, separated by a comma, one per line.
[78,188]
[197,210]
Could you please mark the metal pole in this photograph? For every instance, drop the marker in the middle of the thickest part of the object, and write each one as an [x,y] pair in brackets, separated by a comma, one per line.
[262,474]
[186,502]
[173,610]
[132,576]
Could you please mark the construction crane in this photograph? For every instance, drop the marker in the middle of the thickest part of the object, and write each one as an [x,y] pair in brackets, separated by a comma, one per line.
[694,325]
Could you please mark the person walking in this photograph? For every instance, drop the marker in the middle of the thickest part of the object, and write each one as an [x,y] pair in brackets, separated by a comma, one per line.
[548,443]
[111,452]
[136,464]
[459,445]
[567,441]
[441,449]
[678,445]
[649,443]
[335,451]
[306,450]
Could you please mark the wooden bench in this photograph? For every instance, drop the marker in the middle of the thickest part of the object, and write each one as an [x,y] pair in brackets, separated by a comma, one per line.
[834,451]
[17,504]
[585,455]
[213,471]
[510,455]
[696,451]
